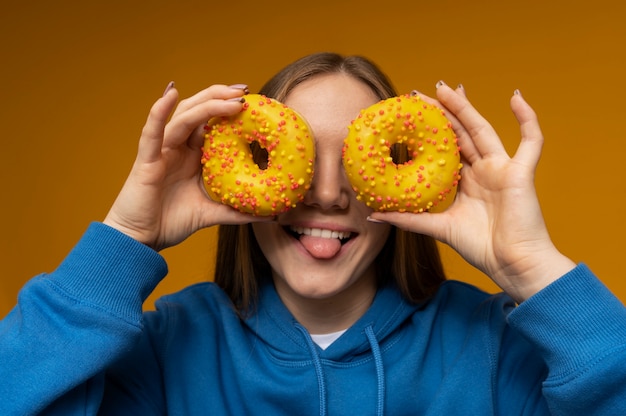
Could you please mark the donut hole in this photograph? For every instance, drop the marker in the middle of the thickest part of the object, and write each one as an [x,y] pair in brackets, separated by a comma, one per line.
[399,153]
[259,155]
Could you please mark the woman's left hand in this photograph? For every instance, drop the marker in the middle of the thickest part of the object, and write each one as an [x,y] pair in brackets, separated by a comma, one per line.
[495,221]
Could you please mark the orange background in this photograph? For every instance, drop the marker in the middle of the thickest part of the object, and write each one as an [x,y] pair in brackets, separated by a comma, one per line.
[78,79]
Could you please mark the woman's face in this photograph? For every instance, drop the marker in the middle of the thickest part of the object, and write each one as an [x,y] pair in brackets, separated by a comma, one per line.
[325,247]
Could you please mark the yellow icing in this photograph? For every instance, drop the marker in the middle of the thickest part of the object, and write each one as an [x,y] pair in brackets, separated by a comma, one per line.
[433,169]
[229,171]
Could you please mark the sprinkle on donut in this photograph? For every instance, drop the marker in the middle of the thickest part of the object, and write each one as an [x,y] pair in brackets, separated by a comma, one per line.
[432,170]
[229,170]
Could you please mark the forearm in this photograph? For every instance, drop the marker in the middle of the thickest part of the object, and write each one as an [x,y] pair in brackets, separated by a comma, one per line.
[71,324]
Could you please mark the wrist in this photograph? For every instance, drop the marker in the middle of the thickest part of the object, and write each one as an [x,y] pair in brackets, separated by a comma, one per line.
[534,274]
[135,233]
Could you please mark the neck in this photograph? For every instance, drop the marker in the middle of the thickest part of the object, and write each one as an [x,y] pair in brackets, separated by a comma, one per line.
[332,313]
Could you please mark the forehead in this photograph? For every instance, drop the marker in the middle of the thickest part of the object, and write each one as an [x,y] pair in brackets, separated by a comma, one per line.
[330,102]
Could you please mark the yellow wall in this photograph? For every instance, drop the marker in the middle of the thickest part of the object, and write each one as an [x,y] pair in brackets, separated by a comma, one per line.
[78,78]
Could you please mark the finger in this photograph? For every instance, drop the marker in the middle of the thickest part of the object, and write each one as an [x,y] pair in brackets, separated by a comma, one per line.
[460,89]
[234,92]
[182,125]
[426,98]
[216,91]
[152,134]
[217,213]
[529,150]
[455,122]
[468,150]
[480,132]
[430,224]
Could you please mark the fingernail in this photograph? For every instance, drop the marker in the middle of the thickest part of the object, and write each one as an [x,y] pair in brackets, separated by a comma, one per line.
[461,90]
[237,99]
[243,87]
[168,88]
[375,221]
[439,84]
[517,92]
[415,93]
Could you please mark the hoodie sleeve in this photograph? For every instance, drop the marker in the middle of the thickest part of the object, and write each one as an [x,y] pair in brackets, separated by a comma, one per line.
[579,328]
[69,325]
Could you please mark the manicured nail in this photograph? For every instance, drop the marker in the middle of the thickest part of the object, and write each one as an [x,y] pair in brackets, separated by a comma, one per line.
[375,221]
[439,84]
[168,88]
[243,87]
[237,99]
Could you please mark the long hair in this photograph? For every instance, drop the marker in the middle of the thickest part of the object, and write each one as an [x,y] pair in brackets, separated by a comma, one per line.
[411,260]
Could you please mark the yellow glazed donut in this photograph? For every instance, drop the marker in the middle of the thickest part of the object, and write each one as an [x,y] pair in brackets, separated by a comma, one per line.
[421,183]
[230,172]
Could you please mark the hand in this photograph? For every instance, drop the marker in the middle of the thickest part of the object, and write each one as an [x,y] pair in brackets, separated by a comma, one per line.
[495,221]
[163,200]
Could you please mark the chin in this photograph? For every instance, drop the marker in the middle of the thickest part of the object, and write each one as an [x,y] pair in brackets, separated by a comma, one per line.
[317,286]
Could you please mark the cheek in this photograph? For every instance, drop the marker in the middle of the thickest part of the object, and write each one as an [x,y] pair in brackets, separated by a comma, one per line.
[378,235]
[265,235]
[274,243]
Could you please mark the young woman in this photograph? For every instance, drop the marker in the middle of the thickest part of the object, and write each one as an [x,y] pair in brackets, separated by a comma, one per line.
[327,308]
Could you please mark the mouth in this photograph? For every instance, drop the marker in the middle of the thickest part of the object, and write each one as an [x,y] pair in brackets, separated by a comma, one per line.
[297,232]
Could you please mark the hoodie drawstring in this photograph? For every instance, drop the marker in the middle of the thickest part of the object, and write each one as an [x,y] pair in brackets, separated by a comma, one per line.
[380,369]
[319,371]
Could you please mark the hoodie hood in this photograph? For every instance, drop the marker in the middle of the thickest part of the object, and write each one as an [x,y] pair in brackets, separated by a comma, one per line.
[287,340]
[276,326]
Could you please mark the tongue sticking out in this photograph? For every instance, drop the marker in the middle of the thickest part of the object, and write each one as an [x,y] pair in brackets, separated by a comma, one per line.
[321,248]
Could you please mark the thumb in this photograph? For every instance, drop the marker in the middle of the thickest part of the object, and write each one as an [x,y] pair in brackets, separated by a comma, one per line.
[427,223]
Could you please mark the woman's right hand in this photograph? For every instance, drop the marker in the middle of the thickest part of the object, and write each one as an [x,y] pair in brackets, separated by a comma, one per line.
[163,200]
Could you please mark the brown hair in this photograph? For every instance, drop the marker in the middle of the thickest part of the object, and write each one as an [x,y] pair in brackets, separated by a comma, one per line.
[412,260]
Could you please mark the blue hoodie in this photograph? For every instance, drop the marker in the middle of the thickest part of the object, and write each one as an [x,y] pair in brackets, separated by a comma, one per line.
[78,342]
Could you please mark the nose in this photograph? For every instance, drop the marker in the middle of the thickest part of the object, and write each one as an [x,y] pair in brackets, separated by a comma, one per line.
[330,188]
